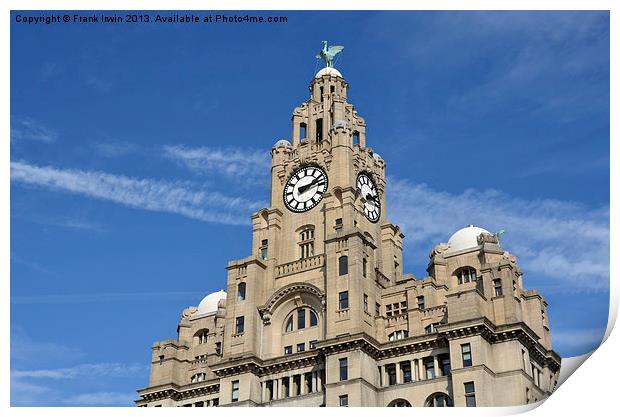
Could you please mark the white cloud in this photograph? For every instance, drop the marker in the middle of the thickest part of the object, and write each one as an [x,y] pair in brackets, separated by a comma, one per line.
[25,128]
[561,246]
[230,162]
[114,399]
[171,197]
[584,340]
[114,149]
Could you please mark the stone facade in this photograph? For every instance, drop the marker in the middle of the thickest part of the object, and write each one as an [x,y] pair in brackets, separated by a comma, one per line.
[321,313]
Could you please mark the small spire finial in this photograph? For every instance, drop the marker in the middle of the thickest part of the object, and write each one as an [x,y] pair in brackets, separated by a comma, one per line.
[328,53]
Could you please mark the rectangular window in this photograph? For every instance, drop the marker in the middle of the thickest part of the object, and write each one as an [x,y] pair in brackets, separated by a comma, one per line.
[264,249]
[377,309]
[319,128]
[239,325]
[301,318]
[344,400]
[218,348]
[388,310]
[343,265]
[302,130]
[391,374]
[406,370]
[270,392]
[241,291]
[365,303]
[312,344]
[421,302]
[497,287]
[470,394]
[343,300]
[364,267]
[344,369]
[338,224]
[466,352]
[403,307]
[301,347]
[288,350]
[235,391]
[429,366]
[444,365]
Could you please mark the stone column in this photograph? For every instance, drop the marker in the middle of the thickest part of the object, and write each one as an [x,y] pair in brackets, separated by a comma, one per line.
[291,386]
[319,381]
[386,376]
[413,376]
[436,364]
[399,378]
[314,389]
[264,391]
[276,388]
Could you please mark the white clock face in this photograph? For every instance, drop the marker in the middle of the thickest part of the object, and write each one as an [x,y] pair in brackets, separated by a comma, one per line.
[305,188]
[372,206]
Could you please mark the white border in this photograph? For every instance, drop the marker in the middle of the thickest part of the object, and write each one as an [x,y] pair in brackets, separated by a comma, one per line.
[591,390]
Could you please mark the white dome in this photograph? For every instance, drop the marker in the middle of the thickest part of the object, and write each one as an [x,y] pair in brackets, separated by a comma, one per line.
[210,302]
[377,156]
[282,142]
[328,71]
[466,238]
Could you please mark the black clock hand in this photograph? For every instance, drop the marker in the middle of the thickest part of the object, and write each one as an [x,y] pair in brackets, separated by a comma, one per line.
[304,188]
[371,197]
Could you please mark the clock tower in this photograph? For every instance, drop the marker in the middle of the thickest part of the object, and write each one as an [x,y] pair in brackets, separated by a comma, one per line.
[321,314]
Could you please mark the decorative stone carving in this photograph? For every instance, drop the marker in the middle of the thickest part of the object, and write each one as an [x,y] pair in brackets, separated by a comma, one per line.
[189,311]
[437,250]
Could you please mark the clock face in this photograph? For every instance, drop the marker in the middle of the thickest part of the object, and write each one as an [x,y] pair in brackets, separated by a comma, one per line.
[305,188]
[372,206]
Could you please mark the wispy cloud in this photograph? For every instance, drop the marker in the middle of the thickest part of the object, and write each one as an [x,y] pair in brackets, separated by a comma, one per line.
[115,399]
[567,243]
[26,128]
[114,149]
[99,84]
[248,165]
[82,370]
[583,340]
[25,349]
[171,197]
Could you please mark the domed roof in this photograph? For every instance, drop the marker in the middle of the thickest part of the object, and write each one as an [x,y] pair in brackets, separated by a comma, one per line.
[377,156]
[328,71]
[210,302]
[466,238]
[282,142]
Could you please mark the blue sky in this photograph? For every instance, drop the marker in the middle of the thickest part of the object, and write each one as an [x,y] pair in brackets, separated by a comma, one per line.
[135,147]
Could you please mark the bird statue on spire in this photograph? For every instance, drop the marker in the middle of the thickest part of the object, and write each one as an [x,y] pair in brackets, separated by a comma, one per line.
[328,54]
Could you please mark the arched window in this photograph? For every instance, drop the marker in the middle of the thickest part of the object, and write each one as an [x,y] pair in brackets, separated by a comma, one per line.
[302,131]
[298,319]
[241,291]
[398,335]
[466,275]
[356,140]
[202,336]
[343,265]
[439,399]
[399,403]
[306,242]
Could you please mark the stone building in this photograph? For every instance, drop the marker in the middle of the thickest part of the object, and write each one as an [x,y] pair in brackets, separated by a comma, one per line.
[321,313]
